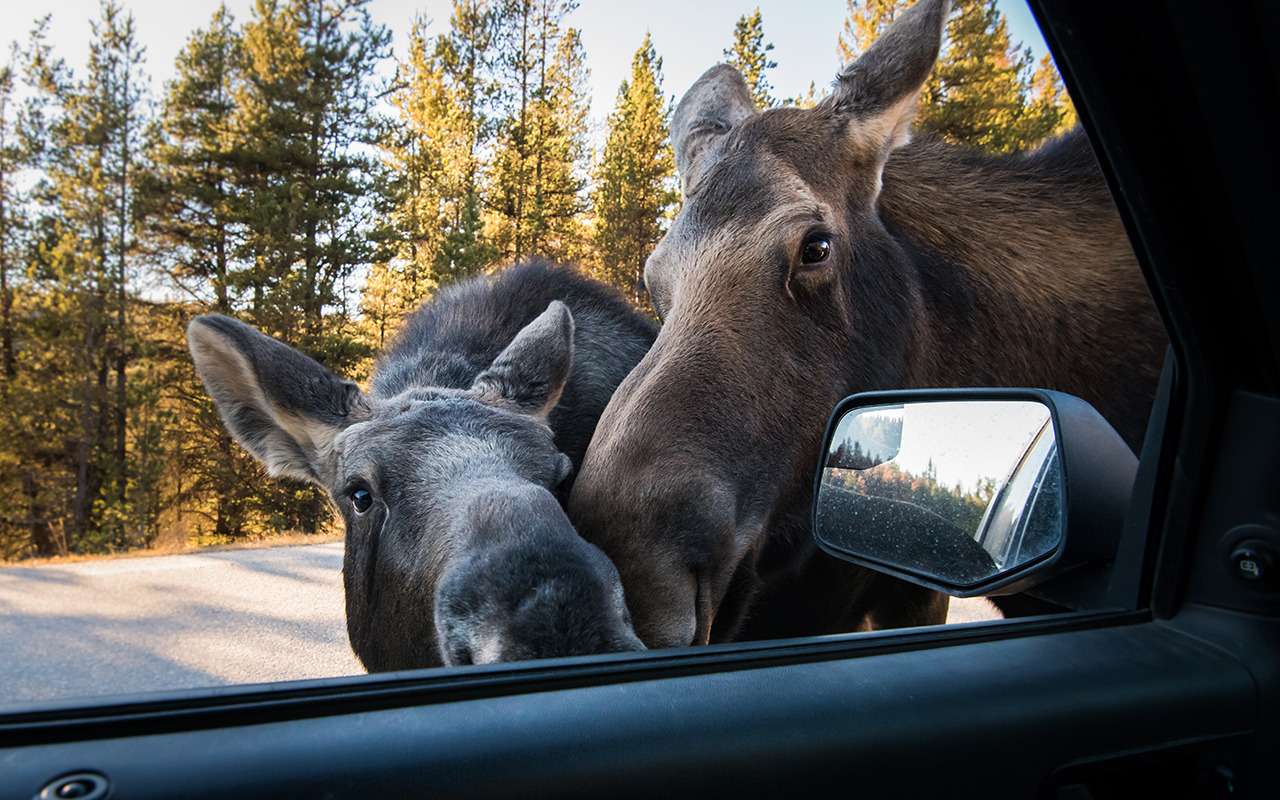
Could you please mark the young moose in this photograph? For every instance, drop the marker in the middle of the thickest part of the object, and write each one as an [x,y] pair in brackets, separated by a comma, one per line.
[817,254]
[457,549]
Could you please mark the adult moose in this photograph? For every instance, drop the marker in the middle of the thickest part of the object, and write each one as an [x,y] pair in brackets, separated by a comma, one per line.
[820,253]
[457,549]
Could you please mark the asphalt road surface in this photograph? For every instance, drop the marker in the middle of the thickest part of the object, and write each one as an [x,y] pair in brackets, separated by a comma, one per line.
[131,625]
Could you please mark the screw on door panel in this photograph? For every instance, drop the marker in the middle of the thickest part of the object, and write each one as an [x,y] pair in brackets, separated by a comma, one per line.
[76,786]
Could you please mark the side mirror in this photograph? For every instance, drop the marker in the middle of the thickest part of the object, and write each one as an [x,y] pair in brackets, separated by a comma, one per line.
[973,492]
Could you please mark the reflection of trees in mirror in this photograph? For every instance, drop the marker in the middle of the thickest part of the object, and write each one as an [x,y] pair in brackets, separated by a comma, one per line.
[865,440]
[962,508]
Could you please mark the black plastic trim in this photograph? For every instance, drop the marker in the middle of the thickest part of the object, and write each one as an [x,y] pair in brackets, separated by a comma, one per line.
[1007,715]
[237,705]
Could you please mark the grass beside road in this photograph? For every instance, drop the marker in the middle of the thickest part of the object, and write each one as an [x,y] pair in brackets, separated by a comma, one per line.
[278,540]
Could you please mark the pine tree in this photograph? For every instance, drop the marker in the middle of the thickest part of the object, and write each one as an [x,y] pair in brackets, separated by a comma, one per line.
[265,130]
[635,178]
[465,55]
[518,71]
[983,91]
[12,218]
[465,248]
[80,261]
[561,154]
[864,21]
[190,201]
[749,53]
[538,173]
[306,116]
[126,83]
[13,224]
[978,92]
[415,153]
[69,374]
[1051,112]
[36,417]
[433,152]
[191,195]
[307,121]
[809,98]
[96,142]
[382,304]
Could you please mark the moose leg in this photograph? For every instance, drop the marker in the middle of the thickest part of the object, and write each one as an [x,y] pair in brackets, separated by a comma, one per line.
[899,604]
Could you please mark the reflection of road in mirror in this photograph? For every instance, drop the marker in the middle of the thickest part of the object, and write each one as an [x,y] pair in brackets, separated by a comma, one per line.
[901,533]
[961,508]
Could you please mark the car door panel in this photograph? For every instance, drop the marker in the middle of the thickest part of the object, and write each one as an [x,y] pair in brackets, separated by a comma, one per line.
[997,719]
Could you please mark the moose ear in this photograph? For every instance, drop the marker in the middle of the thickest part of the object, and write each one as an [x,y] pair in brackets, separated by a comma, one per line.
[715,103]
[529,375]
[282,406]
[878,91]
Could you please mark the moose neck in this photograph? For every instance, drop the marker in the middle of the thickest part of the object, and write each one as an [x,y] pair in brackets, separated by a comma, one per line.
[1025,275]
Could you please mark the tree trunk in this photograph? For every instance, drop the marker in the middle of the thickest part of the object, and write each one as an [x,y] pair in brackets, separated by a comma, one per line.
[6,293]
[220,287]
[93,414]
[541,146]
[122,342]
[42,538]
[229,515]
[311,297]
[521,129]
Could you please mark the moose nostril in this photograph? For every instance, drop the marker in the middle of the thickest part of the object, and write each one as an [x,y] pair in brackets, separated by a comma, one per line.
[460,656]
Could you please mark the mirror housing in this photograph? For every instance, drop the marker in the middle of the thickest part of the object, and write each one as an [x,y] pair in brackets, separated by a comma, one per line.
[1094,468]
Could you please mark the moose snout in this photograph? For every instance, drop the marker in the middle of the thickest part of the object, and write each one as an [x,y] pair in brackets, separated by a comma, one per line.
[540,596]
[672,532]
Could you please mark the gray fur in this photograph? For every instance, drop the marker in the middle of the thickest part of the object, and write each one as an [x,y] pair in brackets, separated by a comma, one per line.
[281,405]
[479,415]
[948,267]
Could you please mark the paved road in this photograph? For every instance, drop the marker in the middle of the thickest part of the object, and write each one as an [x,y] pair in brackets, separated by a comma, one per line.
[132,625]
[204,619]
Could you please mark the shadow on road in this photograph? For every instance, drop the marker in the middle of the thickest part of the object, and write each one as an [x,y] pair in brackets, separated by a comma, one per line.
[138,625]
[283,562]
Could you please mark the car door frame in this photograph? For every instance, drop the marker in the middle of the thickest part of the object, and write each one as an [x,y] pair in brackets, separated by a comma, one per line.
[1187,665]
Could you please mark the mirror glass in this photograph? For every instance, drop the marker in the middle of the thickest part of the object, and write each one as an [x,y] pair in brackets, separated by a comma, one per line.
[955,491]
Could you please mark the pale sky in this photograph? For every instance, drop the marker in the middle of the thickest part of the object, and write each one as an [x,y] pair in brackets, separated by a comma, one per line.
[966,441]
[690,35]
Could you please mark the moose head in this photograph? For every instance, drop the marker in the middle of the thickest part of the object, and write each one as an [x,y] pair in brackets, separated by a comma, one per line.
[457,551]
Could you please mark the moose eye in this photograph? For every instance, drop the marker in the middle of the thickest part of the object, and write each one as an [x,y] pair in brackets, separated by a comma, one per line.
[815,249]
[361,499]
